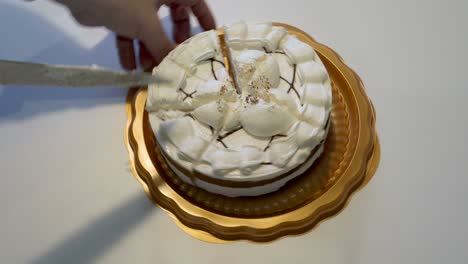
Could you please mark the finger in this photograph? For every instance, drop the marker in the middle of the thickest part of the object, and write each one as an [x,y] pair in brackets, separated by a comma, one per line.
[147,61]
[181,19]
[126,52]
[151,33]
[87,22]
[203,13]
[85,17]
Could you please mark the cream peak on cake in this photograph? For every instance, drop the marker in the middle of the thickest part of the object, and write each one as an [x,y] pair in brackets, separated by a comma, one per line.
[264,123]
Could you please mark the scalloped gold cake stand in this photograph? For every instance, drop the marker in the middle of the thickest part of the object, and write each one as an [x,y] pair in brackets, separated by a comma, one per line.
[350,159]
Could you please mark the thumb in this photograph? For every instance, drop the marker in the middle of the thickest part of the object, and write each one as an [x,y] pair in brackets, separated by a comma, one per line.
[153,36]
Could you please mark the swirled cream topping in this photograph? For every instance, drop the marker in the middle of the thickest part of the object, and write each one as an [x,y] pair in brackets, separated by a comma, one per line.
[263,121]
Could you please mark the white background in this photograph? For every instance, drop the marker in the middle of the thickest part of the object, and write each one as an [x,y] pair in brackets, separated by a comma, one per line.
[67,194]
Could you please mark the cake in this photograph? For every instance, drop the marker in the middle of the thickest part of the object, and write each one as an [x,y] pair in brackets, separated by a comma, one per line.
[243,115]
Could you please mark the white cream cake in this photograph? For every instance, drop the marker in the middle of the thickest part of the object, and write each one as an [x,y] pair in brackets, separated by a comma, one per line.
[248,131]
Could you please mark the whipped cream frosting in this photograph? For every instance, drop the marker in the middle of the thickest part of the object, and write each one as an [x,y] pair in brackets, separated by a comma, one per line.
[261,123]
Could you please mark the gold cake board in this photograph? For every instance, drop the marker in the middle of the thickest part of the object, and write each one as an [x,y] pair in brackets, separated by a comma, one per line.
[350,159]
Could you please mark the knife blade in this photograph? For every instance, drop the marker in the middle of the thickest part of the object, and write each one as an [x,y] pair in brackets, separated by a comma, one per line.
[36,74]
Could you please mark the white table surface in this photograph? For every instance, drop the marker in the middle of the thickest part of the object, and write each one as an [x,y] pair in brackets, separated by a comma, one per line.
[67,194]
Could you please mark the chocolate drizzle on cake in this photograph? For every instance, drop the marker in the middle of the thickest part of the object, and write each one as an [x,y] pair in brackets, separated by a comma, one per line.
[269,52]
[254,98]
[271,140]
[222,142]
[221,137]
[212,61]
[218,61]
[187,95]
[291,84]
[212,69]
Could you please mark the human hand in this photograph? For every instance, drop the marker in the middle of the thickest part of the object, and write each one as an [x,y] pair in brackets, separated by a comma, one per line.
[138,20]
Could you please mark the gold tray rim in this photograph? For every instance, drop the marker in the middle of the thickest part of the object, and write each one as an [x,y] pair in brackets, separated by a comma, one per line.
[199,222]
